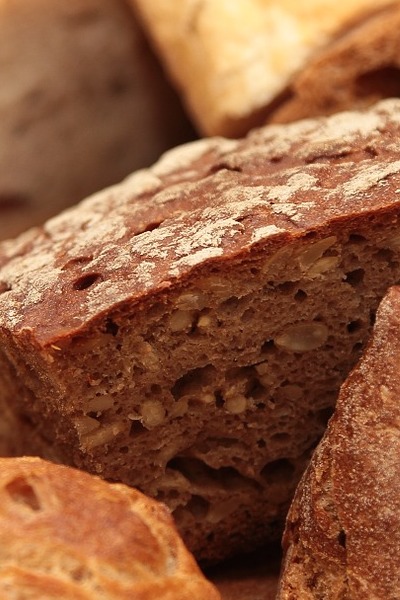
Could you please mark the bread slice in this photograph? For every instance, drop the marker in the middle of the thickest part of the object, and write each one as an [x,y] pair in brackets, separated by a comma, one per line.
[66,534]
[83,102]
[234,63]
[187,331]
[356,70]
[342,536]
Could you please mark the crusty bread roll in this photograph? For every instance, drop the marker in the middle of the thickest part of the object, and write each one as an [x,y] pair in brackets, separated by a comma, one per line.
[82,104]
[342,536]
[234,62]
[187,331]
[66,534]
[356,70]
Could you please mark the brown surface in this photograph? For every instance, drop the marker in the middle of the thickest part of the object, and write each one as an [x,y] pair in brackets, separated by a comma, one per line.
[82,104]
[343,532]
[187,331]
[358,69]
[233,63]
[65,534]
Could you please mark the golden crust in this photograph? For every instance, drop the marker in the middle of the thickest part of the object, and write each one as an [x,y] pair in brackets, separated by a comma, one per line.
[232,60]
[66,534]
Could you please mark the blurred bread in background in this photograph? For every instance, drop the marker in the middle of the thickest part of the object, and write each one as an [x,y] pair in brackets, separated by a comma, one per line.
[236,63]
[82,103]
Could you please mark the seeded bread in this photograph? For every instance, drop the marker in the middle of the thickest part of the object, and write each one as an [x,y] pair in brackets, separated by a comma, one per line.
[65,534]
[342,536]
[234,63]
[82,104]
[187,331]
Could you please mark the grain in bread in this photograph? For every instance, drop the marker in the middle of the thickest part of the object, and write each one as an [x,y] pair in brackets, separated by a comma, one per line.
[187,331]
[234,62]
[342,536]
[66,534]
[82,104]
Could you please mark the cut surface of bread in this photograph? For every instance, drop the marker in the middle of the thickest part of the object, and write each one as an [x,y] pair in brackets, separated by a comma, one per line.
[342,536]
[82,104]
[234,62]
[187,331]
[66,534]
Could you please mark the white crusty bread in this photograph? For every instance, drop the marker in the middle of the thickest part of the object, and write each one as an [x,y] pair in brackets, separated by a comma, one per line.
[342,538]
[82,104]
[233,61]
[68,535]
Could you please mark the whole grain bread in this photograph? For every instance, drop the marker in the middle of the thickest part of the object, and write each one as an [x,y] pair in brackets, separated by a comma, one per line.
[66,534]
[83,102]
[234,63]
[187,331]
[342,536]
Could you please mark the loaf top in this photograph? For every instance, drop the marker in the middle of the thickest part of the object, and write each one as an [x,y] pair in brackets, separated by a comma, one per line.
[67,534]
[202,204]
[343,531]
[231,61]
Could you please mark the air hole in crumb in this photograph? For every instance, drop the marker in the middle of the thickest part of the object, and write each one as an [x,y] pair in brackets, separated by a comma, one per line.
[261,443]
[196,378]
[354,326]
[137,428]
[355,277]
[342,538]
[219,399]
[255,390]
[357,347]
[356,238]
[199,473]
[287,287]
[111,327]
[198,507]
[268,347]
[278,470]
[300,296]
[384,254]
[86,281]
[22,492]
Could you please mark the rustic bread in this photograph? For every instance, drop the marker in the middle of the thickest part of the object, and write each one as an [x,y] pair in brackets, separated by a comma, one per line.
[342,536]
[187,331]
[82,104]
[234,62]
[66,534]
[355,71]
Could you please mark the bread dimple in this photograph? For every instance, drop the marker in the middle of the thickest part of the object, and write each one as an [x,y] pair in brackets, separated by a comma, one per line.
[351,550]
[208,201]
[65,532]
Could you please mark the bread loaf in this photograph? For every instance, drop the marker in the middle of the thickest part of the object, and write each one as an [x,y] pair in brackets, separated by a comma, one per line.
[236,64]
[187,331]
[356,70]
[342,536]
[65,534]
[82,104]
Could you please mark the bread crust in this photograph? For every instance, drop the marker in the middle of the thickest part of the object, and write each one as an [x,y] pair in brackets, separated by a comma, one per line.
[66,534]
[342,535]
[359,68]
[231,63]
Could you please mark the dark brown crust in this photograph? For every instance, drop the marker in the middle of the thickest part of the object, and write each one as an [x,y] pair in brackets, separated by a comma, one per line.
[361,67]
[208,202]
[87,538]
[342,537]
